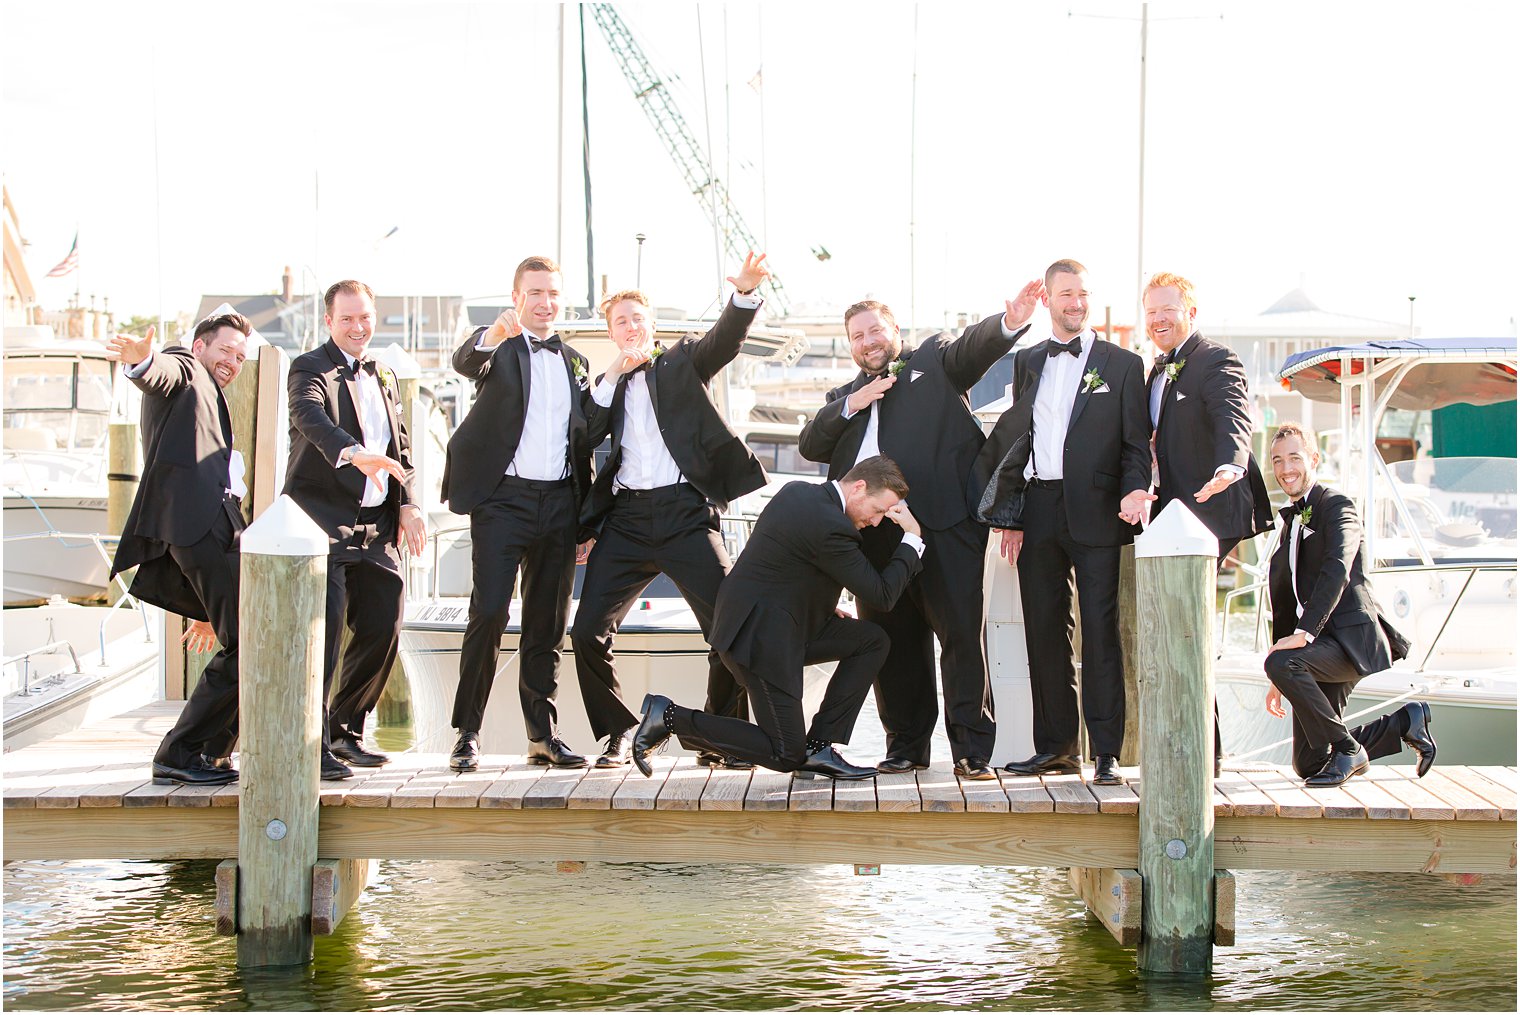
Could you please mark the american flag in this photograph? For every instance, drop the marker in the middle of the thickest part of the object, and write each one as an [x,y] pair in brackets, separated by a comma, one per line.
[69,263]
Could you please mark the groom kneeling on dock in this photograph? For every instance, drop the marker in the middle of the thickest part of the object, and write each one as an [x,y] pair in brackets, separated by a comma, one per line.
[777,613]
[1326,627]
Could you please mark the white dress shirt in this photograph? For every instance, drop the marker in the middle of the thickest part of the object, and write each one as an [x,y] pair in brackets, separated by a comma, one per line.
[1059,381]
[1295,535]
[646,462]
[915,543]
[543,451]
[236,469]
[376,424]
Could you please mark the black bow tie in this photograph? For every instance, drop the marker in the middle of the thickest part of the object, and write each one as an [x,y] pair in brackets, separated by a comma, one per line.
[1054,348]
[367,364]
[551,343]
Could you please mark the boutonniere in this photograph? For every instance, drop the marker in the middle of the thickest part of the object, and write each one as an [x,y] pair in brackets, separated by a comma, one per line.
[1092,381]
[656,353]
[1174,368]
[1305,515]
[386,378]
[579,370]
[897,367]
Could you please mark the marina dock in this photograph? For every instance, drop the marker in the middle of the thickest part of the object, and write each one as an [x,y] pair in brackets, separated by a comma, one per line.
[88,795]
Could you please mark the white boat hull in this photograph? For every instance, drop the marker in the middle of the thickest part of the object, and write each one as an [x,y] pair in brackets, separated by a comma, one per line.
[38,568]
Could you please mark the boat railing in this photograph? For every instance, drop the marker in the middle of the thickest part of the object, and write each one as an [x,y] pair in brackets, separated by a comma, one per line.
[1471,570]
[25,659]
[98,541]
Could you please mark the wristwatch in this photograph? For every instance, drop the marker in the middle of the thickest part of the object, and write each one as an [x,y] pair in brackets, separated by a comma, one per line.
[347,454]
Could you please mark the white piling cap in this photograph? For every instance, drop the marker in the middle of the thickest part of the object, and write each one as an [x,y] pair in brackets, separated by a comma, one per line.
[256,341]
[1176,532]
[284,530]
[403,363]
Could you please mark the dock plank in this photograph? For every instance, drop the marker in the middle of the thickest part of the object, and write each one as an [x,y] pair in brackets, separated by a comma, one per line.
[596,788]
[1464,790]
[515,778]
[1026,794]
[465,789]
[115,782]
[376,786]
[1123,799]
[225,796]
[898,792]
[147,795]
[768,791]
[23,789]
[67,785]
[1504,779]
[552,790]
[1287,793]
[1070,794]
[811,794]
[939,789]
[855,794]
[638,793]
[422,789]
[1246,800]
[1375,790]
[683,787]
[726,789]
[192,796]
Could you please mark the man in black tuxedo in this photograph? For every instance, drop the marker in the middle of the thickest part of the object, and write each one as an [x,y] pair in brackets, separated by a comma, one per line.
[1201,415]
[182,532]
[777,613]
[350,470]
[1076,436]
[911,405]
[1327,630]
[518,465]
[656,503]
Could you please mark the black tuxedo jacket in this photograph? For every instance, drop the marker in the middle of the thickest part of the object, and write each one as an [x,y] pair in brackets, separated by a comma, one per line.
[925,422]
[187,444]
[711,457]
[324,419]
[486,442]
[1337,597]
[1205,422]
[786,583]
[1107,453]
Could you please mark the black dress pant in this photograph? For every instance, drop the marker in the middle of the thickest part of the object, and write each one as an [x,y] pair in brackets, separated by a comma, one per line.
[208,723]
[674,530]
[1317,680]
[778,737]
[1047,562]
[943,600]
[365,593]
[531,524]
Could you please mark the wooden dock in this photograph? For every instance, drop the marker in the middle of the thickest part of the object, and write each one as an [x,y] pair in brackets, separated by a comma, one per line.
[88,795]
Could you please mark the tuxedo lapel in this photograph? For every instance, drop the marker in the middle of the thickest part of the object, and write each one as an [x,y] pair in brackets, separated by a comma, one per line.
[520,350]
[1096,360]
[1180,353]
[348,417]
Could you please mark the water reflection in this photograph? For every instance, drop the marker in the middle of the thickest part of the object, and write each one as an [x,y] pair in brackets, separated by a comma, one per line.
[438,935]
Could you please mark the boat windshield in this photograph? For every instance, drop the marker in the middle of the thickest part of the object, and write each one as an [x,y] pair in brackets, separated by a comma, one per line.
[56,403]
[1460,510]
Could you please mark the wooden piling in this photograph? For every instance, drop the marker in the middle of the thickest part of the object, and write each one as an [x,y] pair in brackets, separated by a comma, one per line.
[1129,648]
[1174,577]
[284,592]
[122,473]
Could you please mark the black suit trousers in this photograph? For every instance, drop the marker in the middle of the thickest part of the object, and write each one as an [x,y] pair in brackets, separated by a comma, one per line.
[366,594]
[1317,680]
[778,737]
[673,530]
[1047,562]
[944,601]
[208,722]
[529,524]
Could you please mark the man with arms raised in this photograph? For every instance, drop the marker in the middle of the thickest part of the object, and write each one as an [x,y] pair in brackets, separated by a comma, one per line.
[1328,632]
[1086,471]
[350,470]
[182,532]
[910,405]
[655,505]
[519,465]
[777,613]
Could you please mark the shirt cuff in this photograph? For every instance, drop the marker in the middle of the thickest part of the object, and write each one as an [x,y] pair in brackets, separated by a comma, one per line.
[848,413]
[1307,636]
[603,392]
[750,302]
[140,369]
[1238,470]
[916,542]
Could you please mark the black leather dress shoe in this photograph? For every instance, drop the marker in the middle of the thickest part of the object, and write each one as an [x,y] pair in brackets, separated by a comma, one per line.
[211,762]
[975,769]
[466,756]
[1339,768]
[556,752]
[827,762]
[618,750]
[334,770]
[353,751]
[653,731]
[197,773]
[898,766]
[1419,736]
[1046,764]
[727,761]
[1106,772]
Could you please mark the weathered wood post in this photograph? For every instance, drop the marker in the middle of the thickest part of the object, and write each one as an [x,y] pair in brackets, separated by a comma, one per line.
[1129,647]
[284,594]
[1174,577]
[123,470]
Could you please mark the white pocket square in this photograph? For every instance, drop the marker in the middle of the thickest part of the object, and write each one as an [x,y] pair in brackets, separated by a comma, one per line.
[915,375]
[1180,396]
[1100,391]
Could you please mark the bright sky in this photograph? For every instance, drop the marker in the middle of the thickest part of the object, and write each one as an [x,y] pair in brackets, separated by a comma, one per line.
[1365,148]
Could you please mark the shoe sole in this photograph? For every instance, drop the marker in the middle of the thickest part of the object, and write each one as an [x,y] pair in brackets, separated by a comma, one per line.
[470,767]
[837,778]
[901,771]
[1045,771]
[163,780]
[356,763]
[549,764]
[605,763]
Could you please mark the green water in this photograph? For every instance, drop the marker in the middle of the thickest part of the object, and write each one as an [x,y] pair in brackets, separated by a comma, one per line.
[438,936]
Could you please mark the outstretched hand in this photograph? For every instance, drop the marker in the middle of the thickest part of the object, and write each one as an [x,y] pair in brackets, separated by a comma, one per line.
[372,465]
[199,637]
[1020,309]
[129,349]
[1221,481]
[1132,507]
[752,274]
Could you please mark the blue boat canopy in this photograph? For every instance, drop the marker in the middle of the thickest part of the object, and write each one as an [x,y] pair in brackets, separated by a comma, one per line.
[1478,371]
